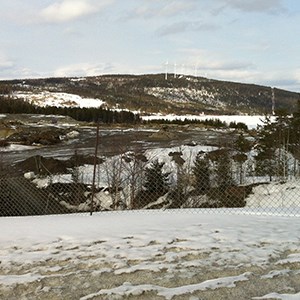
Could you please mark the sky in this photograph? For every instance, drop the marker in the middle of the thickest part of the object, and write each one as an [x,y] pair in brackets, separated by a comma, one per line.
[251,41]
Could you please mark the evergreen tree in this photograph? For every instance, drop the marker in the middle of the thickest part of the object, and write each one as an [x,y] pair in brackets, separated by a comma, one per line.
[224,171]
[265,158]
[273,145]
[201,172]
[156,181]
[294,141]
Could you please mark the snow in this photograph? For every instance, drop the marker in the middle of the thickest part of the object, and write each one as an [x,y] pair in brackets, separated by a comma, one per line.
[186,95]
[47,98]
[157,253]
[128,289]
[280,195]
[16,147]
[250,121]
[280,296]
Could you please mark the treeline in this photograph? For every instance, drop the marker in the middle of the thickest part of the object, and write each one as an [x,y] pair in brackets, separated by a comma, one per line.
[19,106]
[278,143]
[216,123]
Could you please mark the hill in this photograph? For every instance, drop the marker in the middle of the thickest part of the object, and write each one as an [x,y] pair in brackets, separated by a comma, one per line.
[155,94]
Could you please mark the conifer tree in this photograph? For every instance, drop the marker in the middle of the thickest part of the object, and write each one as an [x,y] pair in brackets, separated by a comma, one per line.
[156,181]
[223,171]
[201,172]
[273,145]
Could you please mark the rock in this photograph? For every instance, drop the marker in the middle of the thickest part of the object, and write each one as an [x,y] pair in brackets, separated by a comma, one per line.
[29,175]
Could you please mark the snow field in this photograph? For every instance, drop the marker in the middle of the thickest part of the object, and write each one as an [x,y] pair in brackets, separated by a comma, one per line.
[150,255]
[47,98]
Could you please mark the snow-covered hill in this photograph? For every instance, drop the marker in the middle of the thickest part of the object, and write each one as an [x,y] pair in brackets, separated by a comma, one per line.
[154,94]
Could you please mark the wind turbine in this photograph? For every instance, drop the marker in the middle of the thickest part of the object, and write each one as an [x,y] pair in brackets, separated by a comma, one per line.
[175,70]
[166,71]
[182,69]
[196,69]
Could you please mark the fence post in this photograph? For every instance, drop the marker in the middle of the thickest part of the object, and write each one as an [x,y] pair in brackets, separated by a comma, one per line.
[94,172]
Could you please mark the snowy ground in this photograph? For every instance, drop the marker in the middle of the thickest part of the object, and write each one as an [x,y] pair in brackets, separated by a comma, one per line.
[150,255]
[250,121]
[47,98]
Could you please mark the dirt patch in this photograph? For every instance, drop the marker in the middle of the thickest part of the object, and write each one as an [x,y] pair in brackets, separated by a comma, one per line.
[38,136]
[90,277]
[165,133]
[49,165]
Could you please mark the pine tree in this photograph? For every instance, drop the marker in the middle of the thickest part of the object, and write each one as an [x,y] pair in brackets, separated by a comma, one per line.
[265,158]
[224,171]
[156,181]
[201,172]
[295,133]
[272,146]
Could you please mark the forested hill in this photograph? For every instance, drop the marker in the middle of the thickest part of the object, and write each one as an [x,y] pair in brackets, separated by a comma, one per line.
[155,93]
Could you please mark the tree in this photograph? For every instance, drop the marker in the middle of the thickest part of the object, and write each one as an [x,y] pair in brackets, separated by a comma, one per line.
[223,171]
[242,146]
[201,172]
[294,142]
[156,181]
[156,185]
[134,165]
[178,195]
[5,89]
[273,145]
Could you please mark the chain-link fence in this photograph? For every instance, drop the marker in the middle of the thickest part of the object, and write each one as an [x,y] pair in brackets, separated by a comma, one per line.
[208,181]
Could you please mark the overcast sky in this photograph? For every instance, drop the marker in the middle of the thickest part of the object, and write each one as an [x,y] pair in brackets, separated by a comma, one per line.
[253,41]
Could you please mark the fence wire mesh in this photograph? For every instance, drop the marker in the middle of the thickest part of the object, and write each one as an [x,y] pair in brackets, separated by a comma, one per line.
[211,181]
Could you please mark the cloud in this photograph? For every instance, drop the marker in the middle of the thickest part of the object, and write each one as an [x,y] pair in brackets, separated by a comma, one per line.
[177,7]
[68,10]
[155,9]
[210,64]
[254,5]
[285,79]
[83,69]
[180,27]
[209,60]
[5,63]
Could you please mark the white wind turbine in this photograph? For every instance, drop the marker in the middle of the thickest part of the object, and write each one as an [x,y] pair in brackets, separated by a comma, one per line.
[166,70]
[182,69]
[196,70]
[175,70]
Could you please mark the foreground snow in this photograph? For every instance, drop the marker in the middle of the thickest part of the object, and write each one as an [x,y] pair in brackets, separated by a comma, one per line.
[150,255]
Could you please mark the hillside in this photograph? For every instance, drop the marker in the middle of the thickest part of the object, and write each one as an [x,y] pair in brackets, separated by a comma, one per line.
[155,94]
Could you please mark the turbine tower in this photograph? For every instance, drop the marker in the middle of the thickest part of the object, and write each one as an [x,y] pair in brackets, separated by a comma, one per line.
[196,70]
[182,69]
[166,70]
[175,70]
